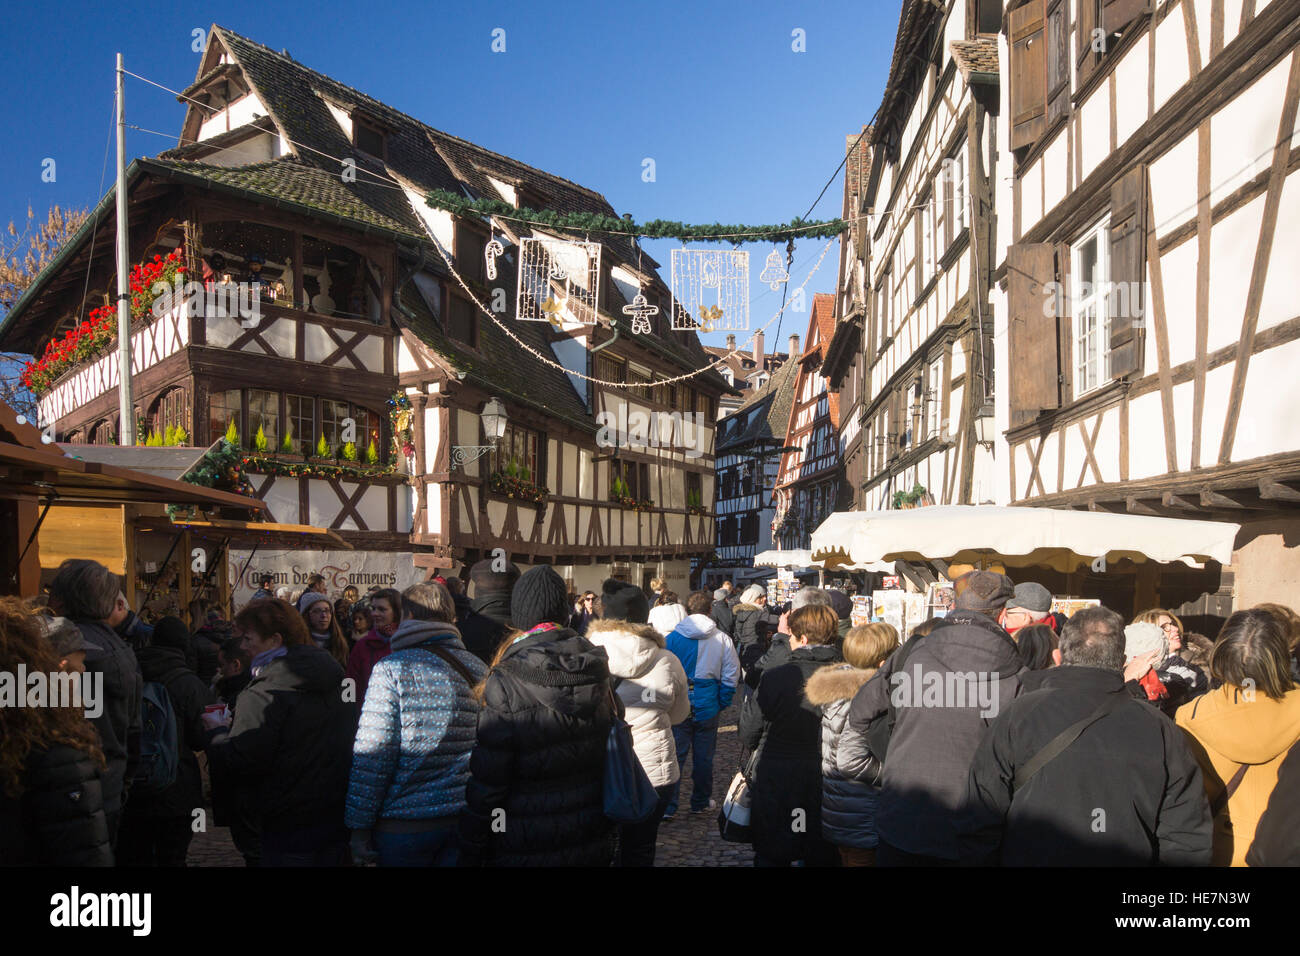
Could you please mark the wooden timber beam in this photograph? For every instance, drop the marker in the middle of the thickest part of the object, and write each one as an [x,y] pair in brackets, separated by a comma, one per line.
[1179,502]
[1270,490]
[1221,499]
[1134,506]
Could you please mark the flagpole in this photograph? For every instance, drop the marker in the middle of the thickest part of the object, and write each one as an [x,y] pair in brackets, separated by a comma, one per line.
[125,405]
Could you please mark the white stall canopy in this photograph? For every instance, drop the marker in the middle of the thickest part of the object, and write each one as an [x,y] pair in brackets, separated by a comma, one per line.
[1018,537]
[784,559]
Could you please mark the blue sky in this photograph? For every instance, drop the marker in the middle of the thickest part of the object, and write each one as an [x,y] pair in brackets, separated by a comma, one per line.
[741,127]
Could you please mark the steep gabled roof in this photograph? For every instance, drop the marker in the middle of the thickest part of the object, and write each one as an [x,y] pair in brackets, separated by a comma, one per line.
[417,155]
[775,399]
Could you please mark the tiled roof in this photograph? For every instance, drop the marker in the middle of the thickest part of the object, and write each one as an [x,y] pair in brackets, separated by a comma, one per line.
[778,395]
[975,56]
[498,364]
[291,180]
[425,158]
[914,19]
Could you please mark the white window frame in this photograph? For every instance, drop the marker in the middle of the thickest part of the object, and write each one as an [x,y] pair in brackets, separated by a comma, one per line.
[960,215]
[934,398]
[1089,312]
[927,240]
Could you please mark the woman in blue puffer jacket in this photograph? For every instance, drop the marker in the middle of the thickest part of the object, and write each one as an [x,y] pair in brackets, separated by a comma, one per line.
[850,772]
[410,763]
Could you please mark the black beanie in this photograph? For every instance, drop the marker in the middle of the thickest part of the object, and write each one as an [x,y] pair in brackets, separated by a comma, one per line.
[624,602]
[539,596]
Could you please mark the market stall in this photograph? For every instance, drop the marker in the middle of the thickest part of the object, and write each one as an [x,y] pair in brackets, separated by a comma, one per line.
[1126,561]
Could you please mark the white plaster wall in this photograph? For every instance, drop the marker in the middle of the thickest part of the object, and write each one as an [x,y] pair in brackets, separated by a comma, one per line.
[1171,66]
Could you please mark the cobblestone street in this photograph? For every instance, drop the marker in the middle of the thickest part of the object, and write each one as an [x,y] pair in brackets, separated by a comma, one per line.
[689,840]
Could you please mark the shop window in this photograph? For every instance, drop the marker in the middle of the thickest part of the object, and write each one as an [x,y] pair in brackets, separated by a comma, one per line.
[103,433]
[263,413]
[301,423]
[637,477]
[224,408]
[170,410]
[519,445]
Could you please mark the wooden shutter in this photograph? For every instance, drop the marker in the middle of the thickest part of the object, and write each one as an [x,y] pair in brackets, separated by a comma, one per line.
[1064,322]
[1127,271]
[1028,73]
[1086,57]
[1117,14]
[1058,60]
[1032,384]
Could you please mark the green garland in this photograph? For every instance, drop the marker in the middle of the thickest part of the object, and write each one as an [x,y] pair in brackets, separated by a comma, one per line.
[266,465]
[220,468]
[586,222]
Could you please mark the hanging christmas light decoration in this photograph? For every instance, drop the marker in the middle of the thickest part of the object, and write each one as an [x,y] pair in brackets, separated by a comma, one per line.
[490,253]
[710,290]
[773,272]
[641,311]
[559,282]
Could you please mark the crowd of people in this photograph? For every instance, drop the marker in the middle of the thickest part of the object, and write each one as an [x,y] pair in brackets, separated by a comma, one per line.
[428,728]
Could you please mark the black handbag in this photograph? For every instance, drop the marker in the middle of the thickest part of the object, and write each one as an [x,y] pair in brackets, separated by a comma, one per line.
[629,796]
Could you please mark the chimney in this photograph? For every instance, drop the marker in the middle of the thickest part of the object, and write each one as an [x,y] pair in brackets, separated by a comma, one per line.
[731,342]
[794,346]
[758,350]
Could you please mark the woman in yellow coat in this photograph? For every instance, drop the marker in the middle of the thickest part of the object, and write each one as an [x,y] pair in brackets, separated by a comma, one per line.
[1242,731]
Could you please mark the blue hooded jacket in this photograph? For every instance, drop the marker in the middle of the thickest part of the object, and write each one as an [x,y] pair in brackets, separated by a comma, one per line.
[712,667]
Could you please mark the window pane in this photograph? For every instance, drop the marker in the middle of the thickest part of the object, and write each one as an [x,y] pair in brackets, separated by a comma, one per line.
[263,412]
[302,421]
[223,409]
[332,414]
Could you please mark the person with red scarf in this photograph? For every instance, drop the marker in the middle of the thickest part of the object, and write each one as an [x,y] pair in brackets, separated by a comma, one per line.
[1030,603]
[371,648]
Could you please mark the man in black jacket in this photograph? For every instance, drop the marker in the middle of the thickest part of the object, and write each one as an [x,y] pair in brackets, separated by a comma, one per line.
[484,621]
[1078,773]
[86,592]
[947,692]
[157,827]
[721,612]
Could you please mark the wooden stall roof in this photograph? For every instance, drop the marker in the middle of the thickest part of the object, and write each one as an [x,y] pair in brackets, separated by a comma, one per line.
[243,533]
[32,471]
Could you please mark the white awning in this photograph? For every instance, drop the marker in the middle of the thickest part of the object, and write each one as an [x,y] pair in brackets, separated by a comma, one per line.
[1018,537]
[784,559]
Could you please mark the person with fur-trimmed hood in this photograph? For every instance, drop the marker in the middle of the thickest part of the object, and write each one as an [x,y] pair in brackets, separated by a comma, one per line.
[850,774]
[651,683]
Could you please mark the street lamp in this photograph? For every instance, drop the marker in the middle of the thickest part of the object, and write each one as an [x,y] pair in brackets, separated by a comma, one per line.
[986,425]
[494,428]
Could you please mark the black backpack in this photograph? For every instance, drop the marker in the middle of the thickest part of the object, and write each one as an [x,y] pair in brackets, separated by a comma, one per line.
[159,742]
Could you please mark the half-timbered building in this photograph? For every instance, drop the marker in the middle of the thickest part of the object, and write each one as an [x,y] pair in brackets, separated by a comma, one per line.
[808,480]
[746,372]
[928,333]
[749,450]
[1148,273]
[845,364]
[369,340]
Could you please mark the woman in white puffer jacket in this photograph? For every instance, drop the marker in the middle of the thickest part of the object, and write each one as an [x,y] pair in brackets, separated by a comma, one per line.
[667,614]
[651,683]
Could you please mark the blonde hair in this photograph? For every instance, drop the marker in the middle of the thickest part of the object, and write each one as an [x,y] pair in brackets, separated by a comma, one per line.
[1154,615]
[656,584]
[867,645]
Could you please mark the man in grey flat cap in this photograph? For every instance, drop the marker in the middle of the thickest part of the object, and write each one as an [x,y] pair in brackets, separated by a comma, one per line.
[1030,603]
